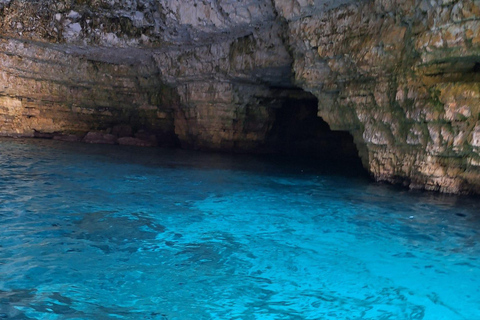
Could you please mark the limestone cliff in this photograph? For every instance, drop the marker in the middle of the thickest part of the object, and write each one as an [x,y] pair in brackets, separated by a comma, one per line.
[401,76]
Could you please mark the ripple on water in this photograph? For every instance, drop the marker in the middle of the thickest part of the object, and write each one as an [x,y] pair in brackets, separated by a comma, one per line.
[107,232]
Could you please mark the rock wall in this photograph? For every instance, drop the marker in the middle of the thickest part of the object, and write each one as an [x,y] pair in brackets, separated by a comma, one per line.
[402,76]
[48,93]
[227,89]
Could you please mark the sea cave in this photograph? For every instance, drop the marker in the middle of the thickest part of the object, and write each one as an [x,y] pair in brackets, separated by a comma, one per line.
[247,159]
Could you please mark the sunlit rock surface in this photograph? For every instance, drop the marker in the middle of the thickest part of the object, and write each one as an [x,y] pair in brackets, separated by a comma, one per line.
[402,77]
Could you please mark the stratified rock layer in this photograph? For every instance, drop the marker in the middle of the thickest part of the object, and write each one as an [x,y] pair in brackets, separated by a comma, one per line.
[52,94]
[401,76]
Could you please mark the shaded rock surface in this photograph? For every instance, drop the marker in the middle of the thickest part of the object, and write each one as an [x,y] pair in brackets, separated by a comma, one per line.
[400,76]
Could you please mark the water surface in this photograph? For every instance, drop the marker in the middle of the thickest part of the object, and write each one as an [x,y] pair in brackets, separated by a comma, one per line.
[110,232]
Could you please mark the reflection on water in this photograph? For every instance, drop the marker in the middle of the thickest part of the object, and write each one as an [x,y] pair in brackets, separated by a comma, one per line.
[108,232]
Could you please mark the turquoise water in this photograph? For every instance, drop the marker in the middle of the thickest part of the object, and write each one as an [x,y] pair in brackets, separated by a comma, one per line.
[108,232]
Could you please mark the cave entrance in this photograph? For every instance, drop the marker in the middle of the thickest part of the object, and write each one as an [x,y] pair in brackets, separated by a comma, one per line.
[299,131]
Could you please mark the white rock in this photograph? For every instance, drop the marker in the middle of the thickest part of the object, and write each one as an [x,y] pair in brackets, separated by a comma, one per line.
[73,15]
[75,28]
[138,19]
[476,136]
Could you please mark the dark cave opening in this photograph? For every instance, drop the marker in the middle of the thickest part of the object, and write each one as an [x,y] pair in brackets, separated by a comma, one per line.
[476,67]
[299,131]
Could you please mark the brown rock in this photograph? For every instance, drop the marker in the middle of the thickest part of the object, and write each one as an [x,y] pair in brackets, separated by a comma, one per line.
[99,137]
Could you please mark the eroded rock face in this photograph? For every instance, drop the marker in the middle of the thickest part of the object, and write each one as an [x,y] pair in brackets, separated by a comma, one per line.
[48,93]
[402,76]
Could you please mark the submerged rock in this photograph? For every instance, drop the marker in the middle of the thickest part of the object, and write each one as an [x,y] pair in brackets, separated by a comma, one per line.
[99,137]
